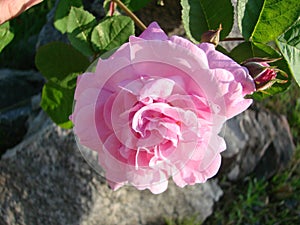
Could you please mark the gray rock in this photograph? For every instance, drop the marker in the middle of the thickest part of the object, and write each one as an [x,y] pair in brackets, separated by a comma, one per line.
[49,33]
[45,180]
[16,86]
[95,7]
[18,89]
[235,31]
[258,142]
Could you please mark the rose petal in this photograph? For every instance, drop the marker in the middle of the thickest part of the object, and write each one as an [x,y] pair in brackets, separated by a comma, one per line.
[192,49]
[154,32]
[85,81]
[87,97]
[166,52]
[215,145]
[232,93]
[218,60]
[13,8]
[161,88]
[209,162]
[85,127]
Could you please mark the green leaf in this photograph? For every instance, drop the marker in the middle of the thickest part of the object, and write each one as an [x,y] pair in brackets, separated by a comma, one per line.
[265,20]
[6,35]
[112,32]
[80,24]
[60,64]
[248,50]
[200,16]
[58,59]
[57,101]
[222,49]
[289,45]
[62,12]
[248,13]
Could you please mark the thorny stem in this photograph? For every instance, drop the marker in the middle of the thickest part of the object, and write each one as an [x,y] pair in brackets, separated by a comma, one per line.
[234,39]
[137,21]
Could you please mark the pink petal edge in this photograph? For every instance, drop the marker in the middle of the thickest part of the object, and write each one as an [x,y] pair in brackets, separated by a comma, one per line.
[154,32]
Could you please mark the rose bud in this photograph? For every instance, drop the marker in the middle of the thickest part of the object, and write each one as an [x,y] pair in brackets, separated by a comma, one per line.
[212,36]
[263,74]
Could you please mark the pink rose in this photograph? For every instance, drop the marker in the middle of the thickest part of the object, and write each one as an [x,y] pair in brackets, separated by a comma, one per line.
[13,8]
[154,109]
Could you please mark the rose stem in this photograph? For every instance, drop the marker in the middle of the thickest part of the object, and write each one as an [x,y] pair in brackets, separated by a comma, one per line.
[234,39]
[137,21]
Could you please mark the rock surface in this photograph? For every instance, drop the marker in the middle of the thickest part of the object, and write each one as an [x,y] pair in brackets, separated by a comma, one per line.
[45,180]
[48,32]
[257,141]
[19,91]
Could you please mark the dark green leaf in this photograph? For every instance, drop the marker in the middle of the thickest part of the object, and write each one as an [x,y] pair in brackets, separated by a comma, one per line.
[6,35]
[57,101]
[222,49]
[248,13]
[62,12]
[200,16]
[68,82]
[248,50]
[60,64]
[112,32]
[58,60]
[80,24]
[265,20]
[289,45]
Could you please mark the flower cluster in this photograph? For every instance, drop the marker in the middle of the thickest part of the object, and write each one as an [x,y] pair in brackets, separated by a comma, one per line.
[154,110]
